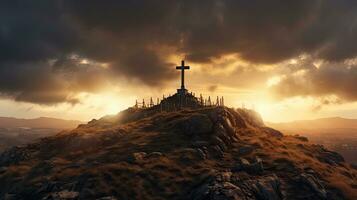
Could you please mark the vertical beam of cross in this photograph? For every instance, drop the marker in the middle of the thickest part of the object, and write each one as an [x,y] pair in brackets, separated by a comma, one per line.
[182,68]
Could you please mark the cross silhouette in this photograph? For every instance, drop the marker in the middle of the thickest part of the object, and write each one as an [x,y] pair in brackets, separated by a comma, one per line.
[182,68]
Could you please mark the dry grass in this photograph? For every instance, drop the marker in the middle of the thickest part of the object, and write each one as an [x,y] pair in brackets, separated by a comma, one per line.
[97,158]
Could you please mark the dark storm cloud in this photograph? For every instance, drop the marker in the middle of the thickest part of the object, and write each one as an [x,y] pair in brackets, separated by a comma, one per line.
[329,79]
[135,37]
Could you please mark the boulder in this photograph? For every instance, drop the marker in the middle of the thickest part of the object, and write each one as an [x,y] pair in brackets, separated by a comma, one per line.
[217,191]
[200,143]
[218,151]
[217,141]
[272,132]
[330,157]
[225,186]
[137,157]
[244,163]
[254,167]
[194,124]
[107,198]
[228,126]
[154,154]
[314,184]
[3,170]
[267,188]
[14,155]
[201,154]
[62,195]
[244,150]
[301,138]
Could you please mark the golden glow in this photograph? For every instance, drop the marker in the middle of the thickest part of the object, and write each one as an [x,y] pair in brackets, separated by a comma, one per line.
[238,81]
[273,80]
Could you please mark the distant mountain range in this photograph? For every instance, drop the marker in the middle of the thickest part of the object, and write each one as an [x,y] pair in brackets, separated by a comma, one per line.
[41,122]
[317,124]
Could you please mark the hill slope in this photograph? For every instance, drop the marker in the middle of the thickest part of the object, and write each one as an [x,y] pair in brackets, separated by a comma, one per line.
[206,153]
[338,134]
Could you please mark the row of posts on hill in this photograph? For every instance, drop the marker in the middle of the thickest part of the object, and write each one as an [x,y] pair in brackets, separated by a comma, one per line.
[184,102]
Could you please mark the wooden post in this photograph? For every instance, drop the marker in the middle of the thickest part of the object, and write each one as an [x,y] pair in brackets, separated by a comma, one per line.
[143,106]
[151,102]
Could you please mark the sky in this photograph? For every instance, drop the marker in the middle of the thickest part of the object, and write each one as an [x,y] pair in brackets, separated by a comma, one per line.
[82,59]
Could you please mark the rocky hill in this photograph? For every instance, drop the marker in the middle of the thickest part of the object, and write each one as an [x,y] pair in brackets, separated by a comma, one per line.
[204,153]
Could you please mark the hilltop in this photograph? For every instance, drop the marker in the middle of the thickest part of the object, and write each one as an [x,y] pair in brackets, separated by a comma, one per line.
[197,153]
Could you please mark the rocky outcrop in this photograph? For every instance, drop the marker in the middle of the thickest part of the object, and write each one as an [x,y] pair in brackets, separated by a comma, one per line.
[212,153]
[14,155]
[314,184]
[194,124]
[226,185]
[330,157]
[62,195]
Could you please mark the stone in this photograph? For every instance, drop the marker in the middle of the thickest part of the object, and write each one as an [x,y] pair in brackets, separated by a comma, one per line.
[107,198]
[195,124]
[228,126]
[201,154]
[218,151]
[238,120]
[223,186]
[137,157]
[3,170]
[217,191]
[244,150]
[14,155]
[219,131]
[255,167]
[48,186]
[314,184]
[217,141]
[244,163]
[330,157]
[62,195]
[200,143]
[224,176]
[267,188]
[155,154]
[272,132]
[218,187]
[301,138]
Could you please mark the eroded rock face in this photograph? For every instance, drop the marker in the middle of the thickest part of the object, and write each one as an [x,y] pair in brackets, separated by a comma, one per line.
[209,154]
[195,124]
[330,157]
[272,132]
[62,195]
[314,184]
[14,155]
[226,186]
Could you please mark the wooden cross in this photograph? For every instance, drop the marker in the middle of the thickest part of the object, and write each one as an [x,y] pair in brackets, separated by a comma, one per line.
[182,68]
